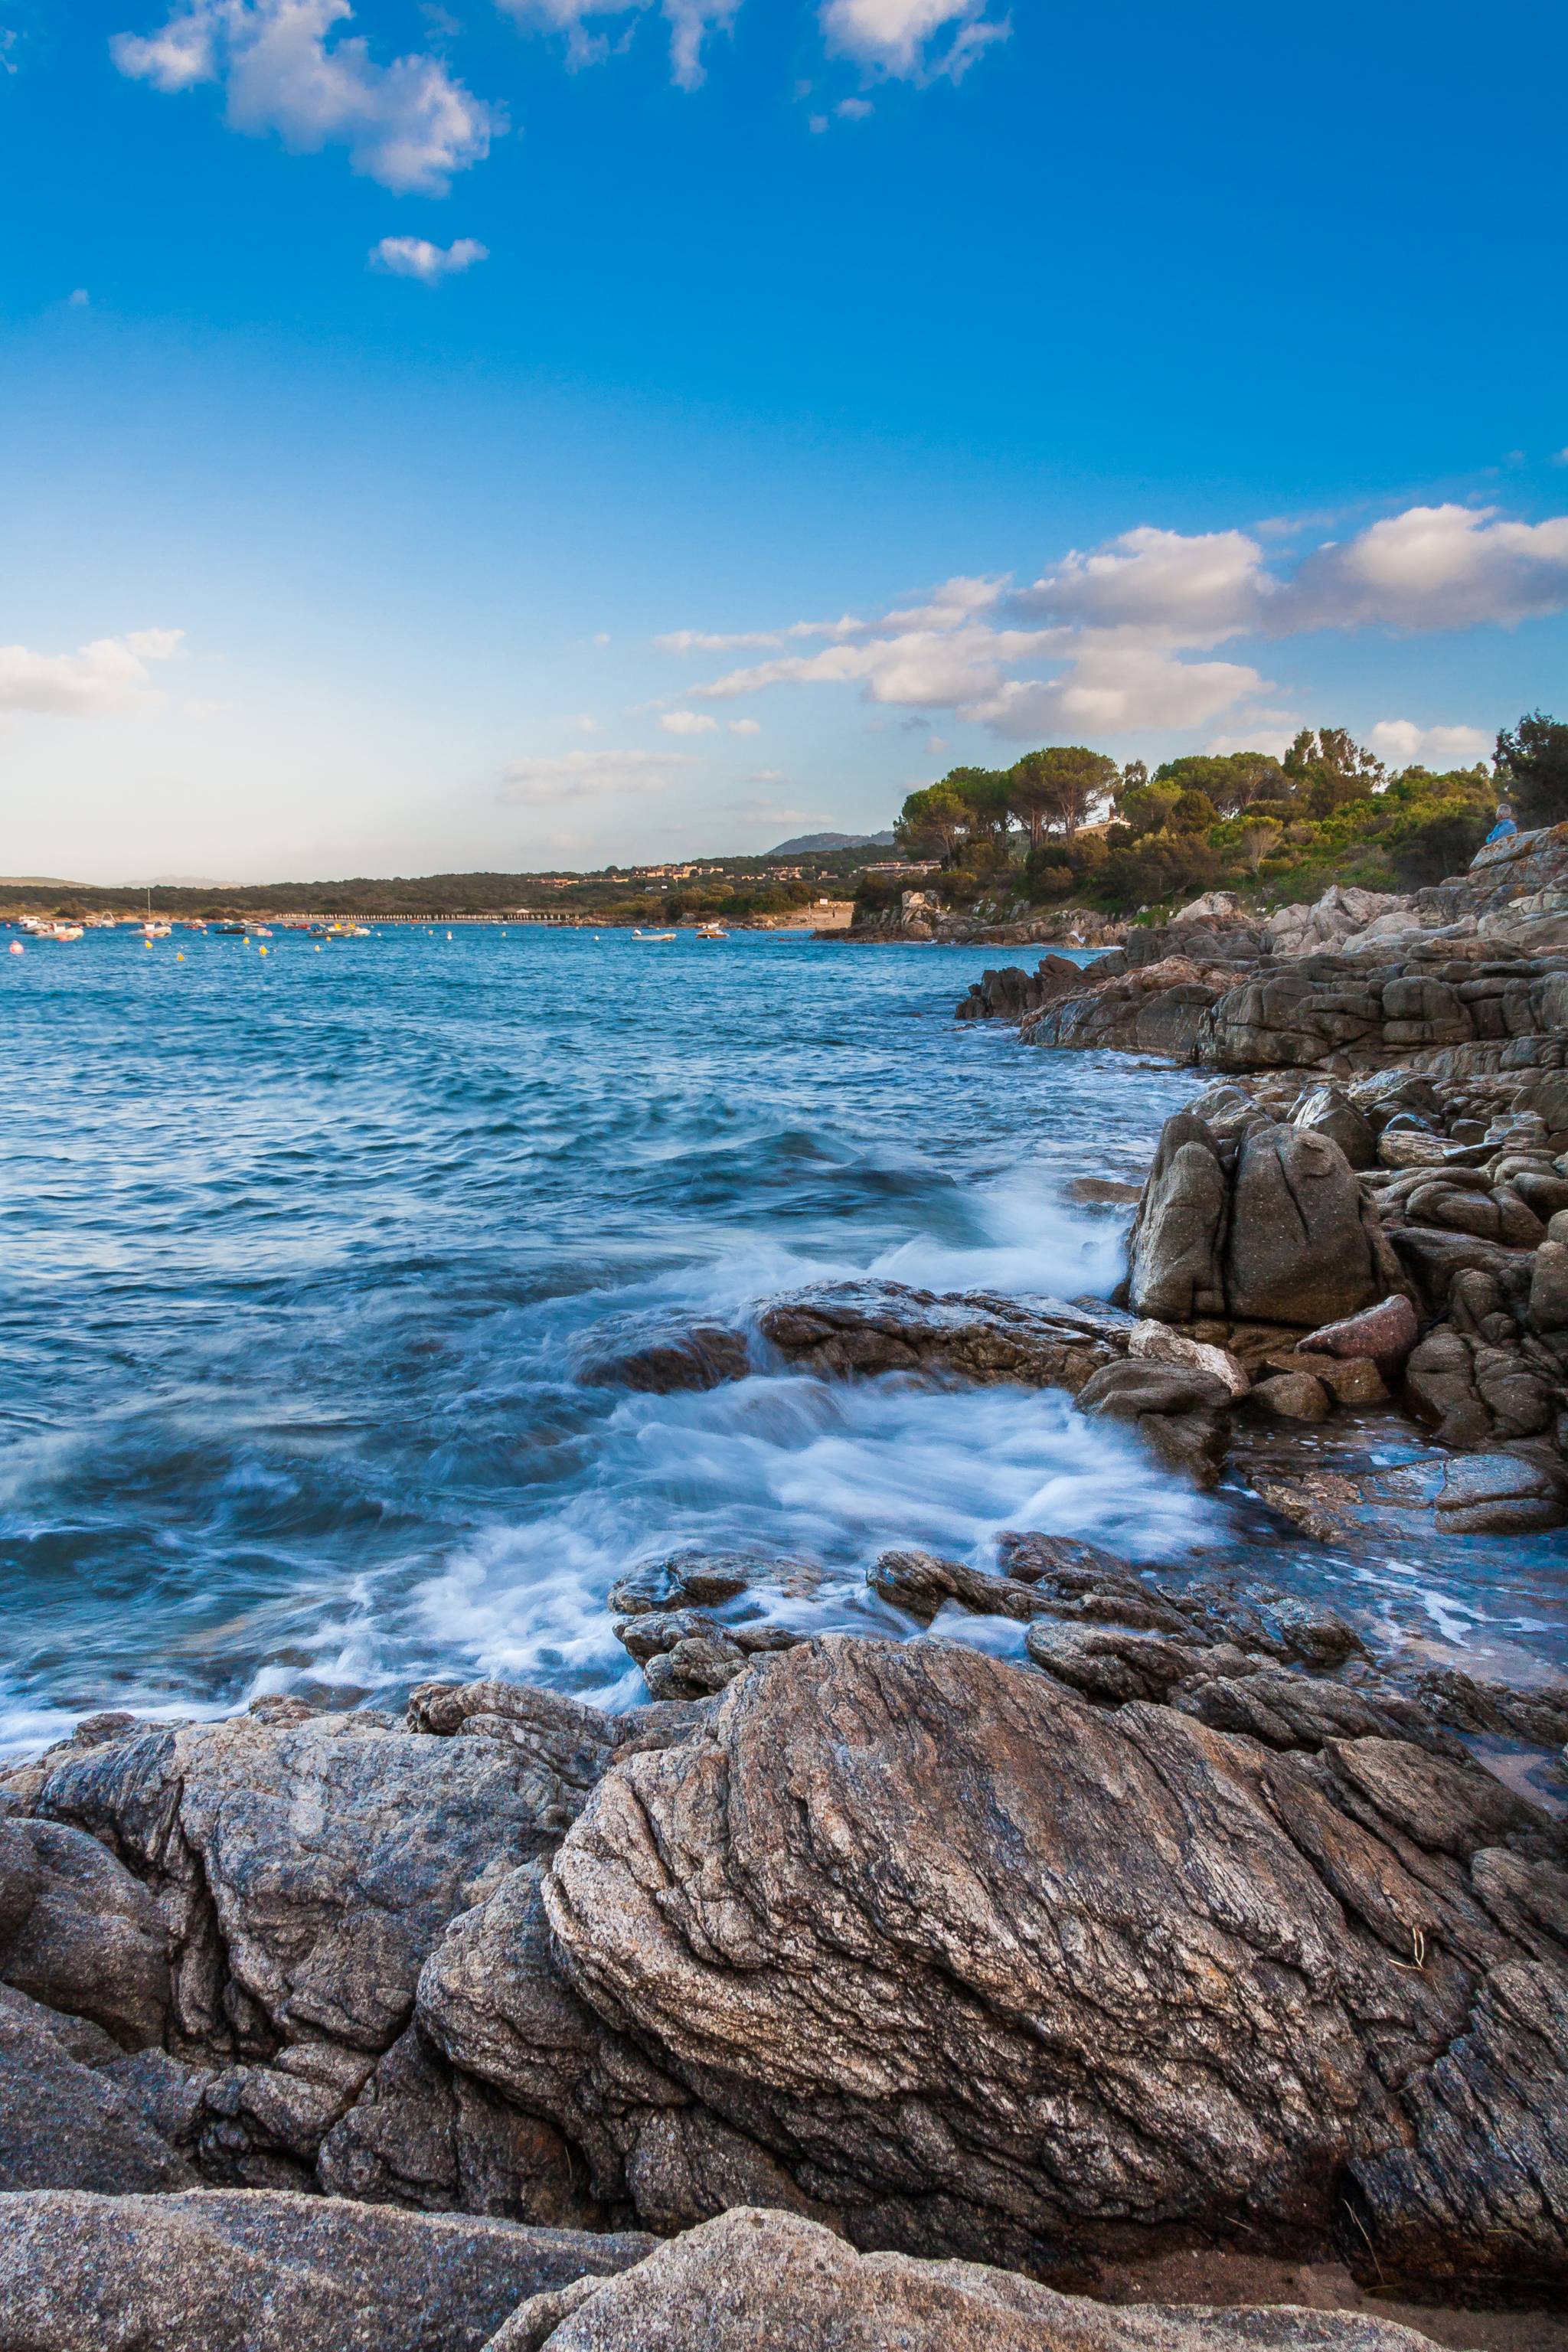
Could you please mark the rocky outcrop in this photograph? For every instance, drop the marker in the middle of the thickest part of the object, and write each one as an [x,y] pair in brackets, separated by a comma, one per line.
[262,2271]
[887,1326]
[1008,995]
[759,2282]
[1269,1229]
[1160,1008]
[979,1967]
[656,1354]
[1179,1410]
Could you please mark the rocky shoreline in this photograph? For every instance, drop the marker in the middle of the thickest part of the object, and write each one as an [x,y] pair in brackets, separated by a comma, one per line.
[1173,1964]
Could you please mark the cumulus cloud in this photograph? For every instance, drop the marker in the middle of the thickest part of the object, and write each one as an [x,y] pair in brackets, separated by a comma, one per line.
[1443,567]
[109,675]
[690,23]
[283,68]
[1200,587]
[689,722]
[1110,638]
[913,40]
[744,726]
[416,257]
[1402,744]
[588,775]
[1116,689]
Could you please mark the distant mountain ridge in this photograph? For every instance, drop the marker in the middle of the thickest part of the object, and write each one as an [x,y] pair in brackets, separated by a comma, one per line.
[806,842]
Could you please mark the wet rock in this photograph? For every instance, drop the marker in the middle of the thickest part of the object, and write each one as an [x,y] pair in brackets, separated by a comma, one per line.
[1160,1008]
[706,1579]
[1110,1664]
[1179,1412]
[760,2281]
[1434,1258]
[1383,1334]
[1028,1555]
[1292,1396]
[64,2123]
[79,1932]
[1501,1494]
[985,1967]
[657,1353]
[1292,1710]
[1161,1345]
[650,1636]
[1476,1494]
[221,2271]
[1008,995]
[883,1327]
[920,1584]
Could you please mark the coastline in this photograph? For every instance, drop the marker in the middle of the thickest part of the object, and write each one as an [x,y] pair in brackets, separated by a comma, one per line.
[782,1937]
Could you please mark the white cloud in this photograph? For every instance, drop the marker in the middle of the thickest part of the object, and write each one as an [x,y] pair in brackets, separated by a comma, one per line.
[744,726]
[853,109]
[1201,588]
[409,124]
[1402,744]
[1117,629]
[584,775]
[914,40]
[78,297]
[416,257]
[689,21]
[1443,567]
[109,675]
[1116,689]
[688,722]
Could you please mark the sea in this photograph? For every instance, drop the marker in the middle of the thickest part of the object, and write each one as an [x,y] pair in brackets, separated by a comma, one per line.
[302,1251]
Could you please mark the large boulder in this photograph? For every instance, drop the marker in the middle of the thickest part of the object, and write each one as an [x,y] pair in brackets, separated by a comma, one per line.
[260,2270]
[1269,1229]
[767,2282]
[1297,1249]
[982,1969]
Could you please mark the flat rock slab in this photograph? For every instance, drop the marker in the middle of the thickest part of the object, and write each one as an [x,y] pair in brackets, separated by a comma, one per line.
[842,1328]
[760,2282]
[261,2271]
[1472,1494]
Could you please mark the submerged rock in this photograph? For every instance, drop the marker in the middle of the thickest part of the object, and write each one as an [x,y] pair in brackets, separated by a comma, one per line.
[659,1353]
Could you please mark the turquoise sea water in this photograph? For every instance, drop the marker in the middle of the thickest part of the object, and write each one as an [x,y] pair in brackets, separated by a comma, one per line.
[298,1250]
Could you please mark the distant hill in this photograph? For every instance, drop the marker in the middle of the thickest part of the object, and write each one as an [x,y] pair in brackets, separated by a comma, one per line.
[803,842]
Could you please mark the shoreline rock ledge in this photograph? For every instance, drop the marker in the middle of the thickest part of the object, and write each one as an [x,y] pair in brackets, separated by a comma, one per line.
[906,1940]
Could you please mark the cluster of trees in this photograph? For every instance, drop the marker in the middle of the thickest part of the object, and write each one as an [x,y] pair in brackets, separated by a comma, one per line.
[1066,823]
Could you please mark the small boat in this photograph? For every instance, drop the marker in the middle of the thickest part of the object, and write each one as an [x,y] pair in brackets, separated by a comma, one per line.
[229,931]
[64,931]
[711,931]
[659,936]
[154,930]
[259,931]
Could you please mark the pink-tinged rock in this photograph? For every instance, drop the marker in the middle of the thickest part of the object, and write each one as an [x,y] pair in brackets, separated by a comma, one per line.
[1385,1334]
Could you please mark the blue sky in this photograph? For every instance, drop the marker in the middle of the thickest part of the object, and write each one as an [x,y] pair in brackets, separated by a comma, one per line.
[472,434]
